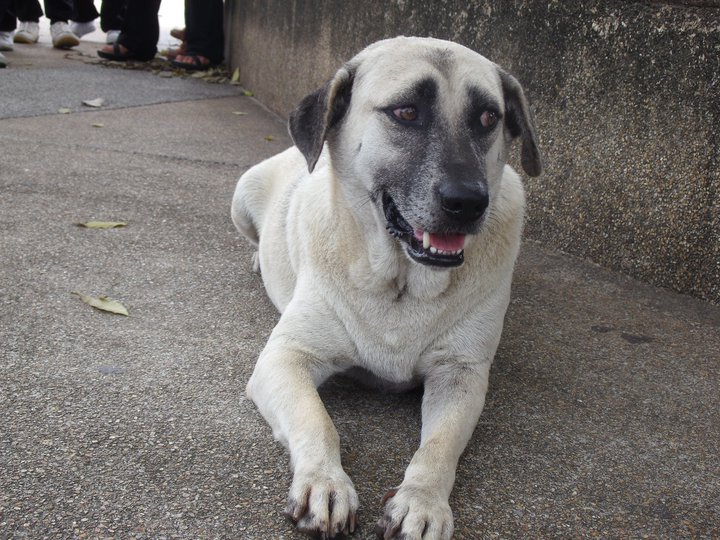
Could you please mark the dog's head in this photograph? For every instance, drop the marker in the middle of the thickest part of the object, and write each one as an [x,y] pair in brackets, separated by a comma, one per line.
[423,127]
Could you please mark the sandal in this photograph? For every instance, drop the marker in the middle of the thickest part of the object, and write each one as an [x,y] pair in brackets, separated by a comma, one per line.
[198,63]
[119,56]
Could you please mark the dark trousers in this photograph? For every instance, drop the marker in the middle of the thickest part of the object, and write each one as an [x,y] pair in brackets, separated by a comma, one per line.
[204,28]
[55,10]
[7,17]
[111,13]
[140,30]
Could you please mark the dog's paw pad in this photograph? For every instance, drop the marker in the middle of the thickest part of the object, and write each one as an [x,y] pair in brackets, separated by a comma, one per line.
[414,514]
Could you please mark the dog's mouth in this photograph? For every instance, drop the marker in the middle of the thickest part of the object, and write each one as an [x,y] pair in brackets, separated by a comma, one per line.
[444,250]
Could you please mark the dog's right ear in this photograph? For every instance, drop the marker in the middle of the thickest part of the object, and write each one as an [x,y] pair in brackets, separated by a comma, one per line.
[318,113]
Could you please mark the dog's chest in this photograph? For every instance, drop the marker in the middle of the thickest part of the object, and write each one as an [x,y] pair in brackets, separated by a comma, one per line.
[393,331]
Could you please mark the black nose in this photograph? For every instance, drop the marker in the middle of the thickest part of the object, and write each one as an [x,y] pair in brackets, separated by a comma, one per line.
[463,203]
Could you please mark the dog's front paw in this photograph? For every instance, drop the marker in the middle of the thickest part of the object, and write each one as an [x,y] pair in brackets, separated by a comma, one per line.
[414,513]
[323,504]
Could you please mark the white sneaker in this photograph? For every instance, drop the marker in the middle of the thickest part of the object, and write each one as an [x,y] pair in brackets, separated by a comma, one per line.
[62,36]
[28,32]
[6,41]
[112,36]
[82,28]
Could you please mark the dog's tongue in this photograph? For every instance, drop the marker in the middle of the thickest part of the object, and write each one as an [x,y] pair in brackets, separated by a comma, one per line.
[447,242]
[444,242]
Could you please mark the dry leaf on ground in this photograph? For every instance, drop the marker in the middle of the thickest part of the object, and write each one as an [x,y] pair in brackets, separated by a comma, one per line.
[102,224]
[63,110]
[97,102]
[236,75]
[103,303]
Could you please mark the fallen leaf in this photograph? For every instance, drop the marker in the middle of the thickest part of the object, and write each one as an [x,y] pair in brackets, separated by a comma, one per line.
[199,74]
[236,75]
[103,303]
[102,224]
[97,102]
[269,138]
[247,93]
[98,125]
[63,110]
[240,113]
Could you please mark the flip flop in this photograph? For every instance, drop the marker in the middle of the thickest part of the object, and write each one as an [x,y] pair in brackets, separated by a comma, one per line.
[119,56]
[196,65]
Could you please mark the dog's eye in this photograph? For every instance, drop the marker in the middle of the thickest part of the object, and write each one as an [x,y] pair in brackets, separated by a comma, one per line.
[488,119]
[406,114]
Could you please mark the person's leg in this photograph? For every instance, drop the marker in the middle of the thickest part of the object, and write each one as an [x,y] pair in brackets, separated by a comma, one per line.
[28,13]
[84,11]
[204,29]
[8,23]
[112,14]
[139,34]
[28,10]
[7,29]
[141,31]
[58,10]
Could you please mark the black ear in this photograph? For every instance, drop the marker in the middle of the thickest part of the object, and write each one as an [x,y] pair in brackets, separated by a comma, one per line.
[520,123]
[318,113]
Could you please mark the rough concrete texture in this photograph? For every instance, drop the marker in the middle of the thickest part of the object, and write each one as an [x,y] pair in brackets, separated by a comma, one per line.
[602,419]
[626,96]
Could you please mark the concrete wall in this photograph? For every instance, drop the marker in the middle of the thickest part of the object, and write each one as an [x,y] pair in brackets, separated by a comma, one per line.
[626,96]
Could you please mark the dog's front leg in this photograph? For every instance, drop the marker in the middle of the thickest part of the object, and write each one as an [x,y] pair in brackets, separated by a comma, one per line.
[453,400]
[322,499]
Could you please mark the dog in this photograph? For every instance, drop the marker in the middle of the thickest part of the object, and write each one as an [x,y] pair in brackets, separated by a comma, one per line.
[387,238]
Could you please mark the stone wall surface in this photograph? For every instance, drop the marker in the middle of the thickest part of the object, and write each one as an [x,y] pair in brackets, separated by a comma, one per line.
[626,98]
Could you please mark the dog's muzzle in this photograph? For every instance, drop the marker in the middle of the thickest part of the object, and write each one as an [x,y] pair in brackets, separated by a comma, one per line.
[443,250]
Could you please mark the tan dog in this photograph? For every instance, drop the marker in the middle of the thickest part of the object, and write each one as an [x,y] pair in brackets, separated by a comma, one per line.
[387,238]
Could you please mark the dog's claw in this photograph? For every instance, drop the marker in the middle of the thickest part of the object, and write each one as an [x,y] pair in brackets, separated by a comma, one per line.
[389,495]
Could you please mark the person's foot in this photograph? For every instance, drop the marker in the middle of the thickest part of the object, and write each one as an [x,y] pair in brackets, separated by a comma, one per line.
[3,61]
[62,36]
[28,32]
[192,62]
[120,53]
[112,36]
[172,54]
[178,33]
[82,28]
[6,41]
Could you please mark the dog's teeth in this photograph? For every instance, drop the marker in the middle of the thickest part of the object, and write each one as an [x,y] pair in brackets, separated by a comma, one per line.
[426,240]
[433,250]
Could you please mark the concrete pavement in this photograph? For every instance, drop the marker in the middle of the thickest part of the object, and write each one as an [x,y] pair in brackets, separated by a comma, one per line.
[602,419]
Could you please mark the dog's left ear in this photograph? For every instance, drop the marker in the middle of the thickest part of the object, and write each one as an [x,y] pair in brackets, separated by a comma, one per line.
[320,112]
[520,123]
